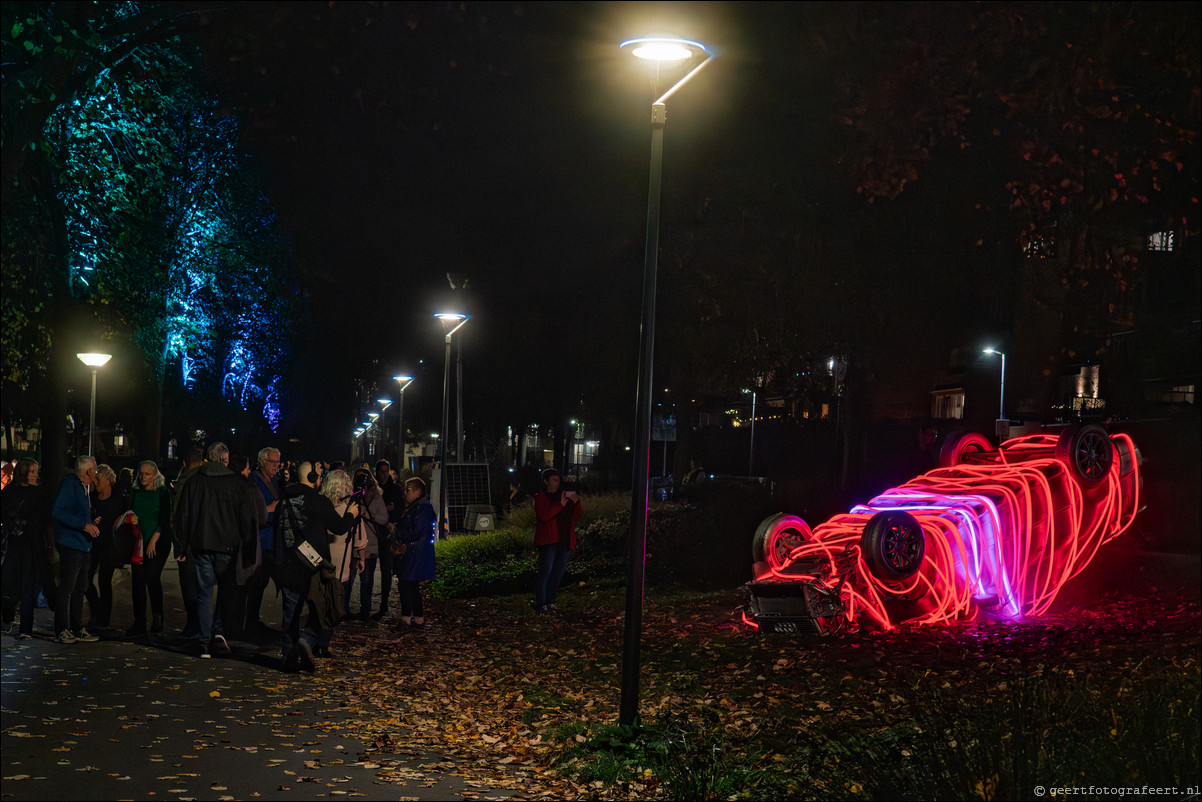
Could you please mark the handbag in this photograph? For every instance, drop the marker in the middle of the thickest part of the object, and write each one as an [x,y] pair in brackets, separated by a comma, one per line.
[127,541]
[397,547]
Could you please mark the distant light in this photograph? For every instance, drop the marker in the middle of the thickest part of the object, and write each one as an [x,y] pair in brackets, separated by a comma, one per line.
[383,400]
[373,415]
[991,351]
[94,360]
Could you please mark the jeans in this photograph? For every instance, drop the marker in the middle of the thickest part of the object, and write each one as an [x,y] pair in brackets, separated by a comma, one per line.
[552,562]
[72,585]
[295,603]
[213,569]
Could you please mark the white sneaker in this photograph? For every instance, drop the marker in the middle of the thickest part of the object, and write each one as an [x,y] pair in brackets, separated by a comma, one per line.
[66,636]
[86,637]
[219,645]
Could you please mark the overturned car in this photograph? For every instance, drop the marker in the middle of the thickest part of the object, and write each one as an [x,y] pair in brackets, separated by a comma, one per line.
[994,531]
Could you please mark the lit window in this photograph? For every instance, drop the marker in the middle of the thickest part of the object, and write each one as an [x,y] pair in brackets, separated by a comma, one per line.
[1160,241]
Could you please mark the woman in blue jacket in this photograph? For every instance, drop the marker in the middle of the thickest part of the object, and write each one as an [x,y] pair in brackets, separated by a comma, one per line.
[416,565]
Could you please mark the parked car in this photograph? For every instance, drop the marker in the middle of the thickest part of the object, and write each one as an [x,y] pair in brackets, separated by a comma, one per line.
[992,531]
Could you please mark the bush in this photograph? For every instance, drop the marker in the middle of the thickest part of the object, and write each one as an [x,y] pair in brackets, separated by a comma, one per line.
[702,543]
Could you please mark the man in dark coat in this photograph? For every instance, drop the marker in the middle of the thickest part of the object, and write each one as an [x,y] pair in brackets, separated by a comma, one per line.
[305,516]
[216,520]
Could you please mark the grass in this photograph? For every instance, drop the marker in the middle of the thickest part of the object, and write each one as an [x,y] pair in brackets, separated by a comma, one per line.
[1108,695]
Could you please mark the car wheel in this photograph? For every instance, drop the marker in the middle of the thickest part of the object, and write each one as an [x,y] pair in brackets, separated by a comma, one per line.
[777,536]
[958,444]
[893,545]
[1087,451]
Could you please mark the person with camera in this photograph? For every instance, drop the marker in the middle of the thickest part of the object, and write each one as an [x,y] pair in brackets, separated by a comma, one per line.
[394,502]
[373,523]
[304,570]
[557,510]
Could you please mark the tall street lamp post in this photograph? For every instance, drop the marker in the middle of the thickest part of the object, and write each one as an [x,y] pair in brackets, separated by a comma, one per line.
[404,381]
[451,323]
[95,362]
[657,50]
[1002,429]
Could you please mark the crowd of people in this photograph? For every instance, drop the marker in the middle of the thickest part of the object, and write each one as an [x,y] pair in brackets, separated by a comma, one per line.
[235,529]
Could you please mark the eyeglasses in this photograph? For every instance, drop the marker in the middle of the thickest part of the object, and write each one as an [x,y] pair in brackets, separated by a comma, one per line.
[272,461]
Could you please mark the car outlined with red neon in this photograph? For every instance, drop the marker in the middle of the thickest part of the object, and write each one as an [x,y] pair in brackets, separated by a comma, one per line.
[992,531]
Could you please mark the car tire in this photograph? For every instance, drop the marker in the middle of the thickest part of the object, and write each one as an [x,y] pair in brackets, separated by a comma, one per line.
[776,536]
[958,444]
[893,545]
[1087,451]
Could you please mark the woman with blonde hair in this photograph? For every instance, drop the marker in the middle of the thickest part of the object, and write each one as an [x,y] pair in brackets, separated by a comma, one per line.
[347,551]
[150,501]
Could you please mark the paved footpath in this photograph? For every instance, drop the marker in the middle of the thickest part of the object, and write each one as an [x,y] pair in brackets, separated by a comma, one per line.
[144,719]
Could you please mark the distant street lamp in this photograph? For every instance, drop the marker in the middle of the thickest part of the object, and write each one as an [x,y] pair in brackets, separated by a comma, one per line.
[1002,428]
[657,50]
[95,362]
[404,381]
[451,323]
[751,447]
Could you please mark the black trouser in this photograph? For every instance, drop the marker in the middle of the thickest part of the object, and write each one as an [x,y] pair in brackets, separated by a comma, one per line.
[72,584]
[411,598]
[255,588]
[148,579]
[100,595]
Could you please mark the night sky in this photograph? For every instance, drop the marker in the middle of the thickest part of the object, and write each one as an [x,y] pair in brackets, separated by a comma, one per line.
[506,144]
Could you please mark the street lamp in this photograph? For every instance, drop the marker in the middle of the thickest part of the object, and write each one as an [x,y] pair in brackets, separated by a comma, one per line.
[404,381]
[95,362]
[751,447]
[655,50]
[1002,428]
[451,323]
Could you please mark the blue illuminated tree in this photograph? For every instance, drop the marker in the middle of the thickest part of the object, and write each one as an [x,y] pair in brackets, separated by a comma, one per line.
[132,200]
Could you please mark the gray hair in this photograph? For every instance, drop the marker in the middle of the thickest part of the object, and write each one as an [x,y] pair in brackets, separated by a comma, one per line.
[107,473]
[217,451]
[82,463]
[264,453]
[337,486]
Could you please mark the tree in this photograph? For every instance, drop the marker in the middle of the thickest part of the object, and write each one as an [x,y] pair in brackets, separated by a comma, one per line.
[138,211]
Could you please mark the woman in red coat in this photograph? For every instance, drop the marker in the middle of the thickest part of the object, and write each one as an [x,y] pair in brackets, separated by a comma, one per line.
[554,536]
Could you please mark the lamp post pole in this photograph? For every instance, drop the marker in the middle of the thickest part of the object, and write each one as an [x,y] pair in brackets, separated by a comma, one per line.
[658,49]
[404,381]
[1002,428]
[94,361]
[452,322]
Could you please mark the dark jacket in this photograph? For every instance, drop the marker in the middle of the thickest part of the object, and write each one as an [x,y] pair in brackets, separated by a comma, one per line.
[214,512]
[304,511]
[416,528]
